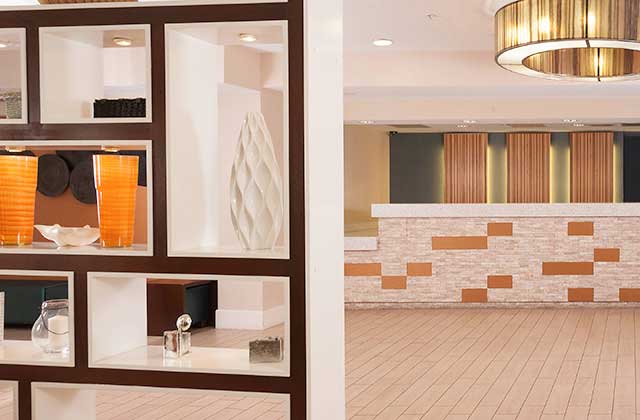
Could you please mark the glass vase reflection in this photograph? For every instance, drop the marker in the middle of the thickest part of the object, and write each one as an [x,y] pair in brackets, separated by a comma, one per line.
[51,330]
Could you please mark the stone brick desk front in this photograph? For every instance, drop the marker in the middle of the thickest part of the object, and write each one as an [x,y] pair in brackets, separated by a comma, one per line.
[497,253]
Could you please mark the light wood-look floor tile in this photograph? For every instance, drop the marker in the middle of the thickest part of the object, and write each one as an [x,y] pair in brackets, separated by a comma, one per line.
[449,364]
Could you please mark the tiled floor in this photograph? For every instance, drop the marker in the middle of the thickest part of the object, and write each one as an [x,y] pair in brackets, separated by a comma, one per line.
[455,364]
[119,405]
[493,364]
[6,403]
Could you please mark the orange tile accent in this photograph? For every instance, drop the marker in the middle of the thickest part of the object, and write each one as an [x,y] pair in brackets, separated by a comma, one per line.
[474,296]
[629,295]
[606,254]
[459,242]
[419,269]
[362,270]
[580,295]
[500,229]
[394,282]
[580,229]
[567,268]
[500,282]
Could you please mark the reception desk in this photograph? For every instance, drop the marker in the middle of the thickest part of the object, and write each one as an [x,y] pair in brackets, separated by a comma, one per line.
[496,254]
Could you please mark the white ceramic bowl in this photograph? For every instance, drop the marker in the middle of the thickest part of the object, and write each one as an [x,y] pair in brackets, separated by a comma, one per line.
[64,236]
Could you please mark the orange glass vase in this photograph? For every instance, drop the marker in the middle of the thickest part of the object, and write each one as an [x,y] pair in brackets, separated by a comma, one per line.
[18,182]
[116,179]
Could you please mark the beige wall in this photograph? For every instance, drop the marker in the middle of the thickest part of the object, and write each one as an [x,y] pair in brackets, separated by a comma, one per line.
[10,65]
[366,176]
[65,210]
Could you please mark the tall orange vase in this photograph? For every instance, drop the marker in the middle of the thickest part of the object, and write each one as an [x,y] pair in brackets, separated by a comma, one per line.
[18,182]
[116,179]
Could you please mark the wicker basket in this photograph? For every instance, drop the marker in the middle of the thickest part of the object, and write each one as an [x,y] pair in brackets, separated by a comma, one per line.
[120,108]
[83,1]
[13,102]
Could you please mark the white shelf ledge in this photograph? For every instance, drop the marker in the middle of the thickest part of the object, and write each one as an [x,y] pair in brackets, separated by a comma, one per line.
[95,249]
[390,211]
[16,352]
[124,120]
[280,253]
[201,359]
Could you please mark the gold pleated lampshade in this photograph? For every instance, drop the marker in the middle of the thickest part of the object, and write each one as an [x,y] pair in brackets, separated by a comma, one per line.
[589,40]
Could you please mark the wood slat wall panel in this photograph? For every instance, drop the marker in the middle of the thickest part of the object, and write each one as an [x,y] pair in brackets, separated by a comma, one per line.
[592,167]
[528,167]
[466,167]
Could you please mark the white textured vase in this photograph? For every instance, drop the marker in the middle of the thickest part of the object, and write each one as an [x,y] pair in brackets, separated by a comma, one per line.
[256,187]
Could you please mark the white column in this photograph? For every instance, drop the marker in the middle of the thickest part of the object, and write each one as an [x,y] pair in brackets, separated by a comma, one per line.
[325,224]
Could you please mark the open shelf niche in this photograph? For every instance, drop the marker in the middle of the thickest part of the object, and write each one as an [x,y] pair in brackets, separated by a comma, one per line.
[71,208]
[228,312]
[24,293]
[81,64]
[8,400]
[13,77]
[216,73]
[57,401]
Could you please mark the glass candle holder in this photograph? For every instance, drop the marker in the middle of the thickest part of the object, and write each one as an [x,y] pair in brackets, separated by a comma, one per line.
[18,182]
[116,180]
[51,330]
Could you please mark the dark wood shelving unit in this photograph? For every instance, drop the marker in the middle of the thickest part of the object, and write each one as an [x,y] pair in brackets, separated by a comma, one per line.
[293,268]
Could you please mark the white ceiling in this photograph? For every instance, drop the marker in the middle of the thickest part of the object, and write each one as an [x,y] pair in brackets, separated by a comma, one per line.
[460,25]
[441,71]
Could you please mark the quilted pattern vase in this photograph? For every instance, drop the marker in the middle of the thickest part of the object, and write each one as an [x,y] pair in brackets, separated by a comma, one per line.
[18,181]
[256,187]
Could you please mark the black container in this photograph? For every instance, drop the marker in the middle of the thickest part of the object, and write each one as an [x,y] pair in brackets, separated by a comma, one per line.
[120,108]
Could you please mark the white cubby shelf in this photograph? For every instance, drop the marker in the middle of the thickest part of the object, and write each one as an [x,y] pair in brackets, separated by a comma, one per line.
[80,64]
[13,77]
[66,211]
[118,339]
[24,352]
[62,401]
[213,79]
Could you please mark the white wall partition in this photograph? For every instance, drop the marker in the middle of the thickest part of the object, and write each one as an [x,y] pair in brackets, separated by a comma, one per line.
[325,208]
[118,302]
[13,77]
[69,212]
[82,64]
[213,80]
[20,350]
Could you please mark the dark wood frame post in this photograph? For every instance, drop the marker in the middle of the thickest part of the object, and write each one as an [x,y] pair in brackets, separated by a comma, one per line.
[294,268]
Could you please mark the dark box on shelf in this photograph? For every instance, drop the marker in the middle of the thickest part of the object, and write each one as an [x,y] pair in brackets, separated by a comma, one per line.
[120,108]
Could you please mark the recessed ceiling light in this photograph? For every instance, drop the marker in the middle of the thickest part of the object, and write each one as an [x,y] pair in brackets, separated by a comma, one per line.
[366,122]
[122,41]
[4,44]
[383,42]
[570,121]
[462,126]
[247,38]
[432,16]
[578,125]
[469,121]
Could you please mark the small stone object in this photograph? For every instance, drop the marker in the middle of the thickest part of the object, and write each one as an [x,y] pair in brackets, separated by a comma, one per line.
[266,350]
[177,343]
